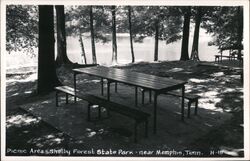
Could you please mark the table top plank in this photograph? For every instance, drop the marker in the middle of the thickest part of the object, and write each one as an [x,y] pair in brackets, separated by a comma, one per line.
[132,78]
[141,75]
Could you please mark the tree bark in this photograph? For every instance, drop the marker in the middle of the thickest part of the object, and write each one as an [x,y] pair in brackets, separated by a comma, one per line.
[185,37]
[240,31]
[47,78]
[62,57]
[83,55]
[195,47]
[156,41]
[92,35]
[114,43]
[131,34]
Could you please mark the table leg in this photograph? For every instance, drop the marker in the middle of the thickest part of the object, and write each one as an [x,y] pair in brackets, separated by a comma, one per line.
[67,98]
[56,98]
[75,86]
[155,111]
[89,108]
[150,96]
[182,103]
[108,90]
[136,93]
[142,100]
[115,87]
[102,86]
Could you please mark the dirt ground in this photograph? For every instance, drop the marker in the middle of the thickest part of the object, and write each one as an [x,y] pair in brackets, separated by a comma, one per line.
[220,88]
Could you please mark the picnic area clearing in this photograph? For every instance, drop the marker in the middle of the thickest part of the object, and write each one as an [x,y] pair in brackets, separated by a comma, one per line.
[218,126]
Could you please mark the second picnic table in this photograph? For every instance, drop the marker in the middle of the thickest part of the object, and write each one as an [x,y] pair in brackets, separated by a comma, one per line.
[159,85]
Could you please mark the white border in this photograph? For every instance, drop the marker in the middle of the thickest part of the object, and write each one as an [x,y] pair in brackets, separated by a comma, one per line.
[244,3]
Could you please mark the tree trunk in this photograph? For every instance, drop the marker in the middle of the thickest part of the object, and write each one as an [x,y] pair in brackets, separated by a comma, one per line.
[156,41]
[92,35]
[62,57]
[131,34]
[195,47]
[185,37]
[114,44]
[47,78]
[240,31]
[83,55]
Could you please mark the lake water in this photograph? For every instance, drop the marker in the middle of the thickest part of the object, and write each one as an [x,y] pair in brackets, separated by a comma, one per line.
[143,51]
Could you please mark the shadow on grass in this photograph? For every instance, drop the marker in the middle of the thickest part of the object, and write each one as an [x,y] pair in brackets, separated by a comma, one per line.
[26,133]
[219,90]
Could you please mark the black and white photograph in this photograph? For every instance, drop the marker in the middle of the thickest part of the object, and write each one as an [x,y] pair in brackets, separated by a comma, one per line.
[124,80]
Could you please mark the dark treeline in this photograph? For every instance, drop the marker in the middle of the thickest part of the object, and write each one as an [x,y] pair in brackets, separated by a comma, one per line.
[165,23]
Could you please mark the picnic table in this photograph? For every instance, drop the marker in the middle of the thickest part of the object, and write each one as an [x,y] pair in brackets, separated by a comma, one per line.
[159,85]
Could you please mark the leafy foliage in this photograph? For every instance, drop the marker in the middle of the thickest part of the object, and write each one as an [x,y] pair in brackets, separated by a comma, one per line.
[144,19]
[77,19]
[224,23]
[21,28]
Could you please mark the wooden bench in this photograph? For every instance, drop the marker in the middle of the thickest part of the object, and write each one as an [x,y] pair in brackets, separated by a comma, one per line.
[190,97]
[218,58]
[137,115]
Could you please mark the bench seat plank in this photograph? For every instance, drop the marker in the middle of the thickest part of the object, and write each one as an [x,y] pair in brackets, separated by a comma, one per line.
[137,115]
[187,95]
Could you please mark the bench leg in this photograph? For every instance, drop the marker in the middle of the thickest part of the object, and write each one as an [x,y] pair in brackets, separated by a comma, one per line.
[67,98]
[102,86]
[189,105]
[99,112]
[108,96]
[182,103]
[146,128]
[155,113]
[196,107]
[75,86]
[56,98]
[108,90]
[88,112]
[136,99]
[135,137]
[108,112]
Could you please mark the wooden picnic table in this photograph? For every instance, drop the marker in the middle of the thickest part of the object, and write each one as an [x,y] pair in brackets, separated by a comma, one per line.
[159,85]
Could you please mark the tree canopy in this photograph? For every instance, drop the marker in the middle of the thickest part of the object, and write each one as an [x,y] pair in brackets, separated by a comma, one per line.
[165,23]
[226,26]
[21,28]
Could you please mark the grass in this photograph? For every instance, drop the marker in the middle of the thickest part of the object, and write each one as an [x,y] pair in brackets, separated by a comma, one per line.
[26,131]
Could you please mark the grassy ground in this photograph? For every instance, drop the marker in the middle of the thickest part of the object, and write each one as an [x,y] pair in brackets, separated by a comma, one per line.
[24,130]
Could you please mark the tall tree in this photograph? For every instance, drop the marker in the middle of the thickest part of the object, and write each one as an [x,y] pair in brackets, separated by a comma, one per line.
[62,57]
[77,23]
[131,34]
[148,18]
[156,40]
[83,55]
[114,43]
[185,36]
[47,77]
[195,47]
[240,30]
[92,34]
[161,22]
